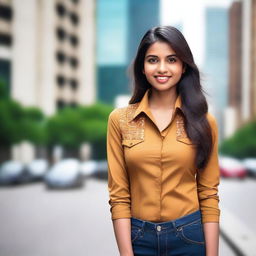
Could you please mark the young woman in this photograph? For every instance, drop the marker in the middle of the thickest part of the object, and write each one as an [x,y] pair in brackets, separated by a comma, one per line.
[162,152]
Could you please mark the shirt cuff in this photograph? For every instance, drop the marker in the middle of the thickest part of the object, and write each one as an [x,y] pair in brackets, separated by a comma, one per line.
[120,211]
[210,218]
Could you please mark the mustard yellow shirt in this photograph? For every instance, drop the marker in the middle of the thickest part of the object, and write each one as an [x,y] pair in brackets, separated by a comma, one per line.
[151,173]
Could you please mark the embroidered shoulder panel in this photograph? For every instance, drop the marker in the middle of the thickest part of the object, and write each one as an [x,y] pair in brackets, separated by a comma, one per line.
[180,127]
[135,129]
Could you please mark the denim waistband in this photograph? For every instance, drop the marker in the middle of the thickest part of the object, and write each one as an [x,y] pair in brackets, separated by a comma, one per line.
[173,224]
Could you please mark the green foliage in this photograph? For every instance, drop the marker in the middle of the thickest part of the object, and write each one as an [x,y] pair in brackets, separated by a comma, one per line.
[64,128]
[69,127]
[34,126]
[243,143]
[72,126]
[19,123]
[11,115]
[3,90]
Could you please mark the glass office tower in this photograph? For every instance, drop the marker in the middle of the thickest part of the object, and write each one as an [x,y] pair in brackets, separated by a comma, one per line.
[120,26]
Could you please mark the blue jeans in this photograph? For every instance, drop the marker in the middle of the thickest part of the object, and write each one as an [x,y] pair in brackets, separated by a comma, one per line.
[183,236]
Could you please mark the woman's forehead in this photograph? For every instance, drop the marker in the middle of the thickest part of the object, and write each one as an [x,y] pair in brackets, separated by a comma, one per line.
[161,48]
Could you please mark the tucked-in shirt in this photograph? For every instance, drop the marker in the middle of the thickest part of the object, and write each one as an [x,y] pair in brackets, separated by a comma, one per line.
[151,173]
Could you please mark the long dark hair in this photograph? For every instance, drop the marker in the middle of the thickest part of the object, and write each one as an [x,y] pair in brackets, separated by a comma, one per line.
[194,104]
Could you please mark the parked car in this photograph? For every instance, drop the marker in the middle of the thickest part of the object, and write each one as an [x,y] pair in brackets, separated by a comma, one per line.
[250,165]
[13,172]
[102,169]
[37,169]
[88,168]
[231,167]
[64,174]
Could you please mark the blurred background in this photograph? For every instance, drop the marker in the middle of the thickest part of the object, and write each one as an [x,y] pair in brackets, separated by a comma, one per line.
[63,68]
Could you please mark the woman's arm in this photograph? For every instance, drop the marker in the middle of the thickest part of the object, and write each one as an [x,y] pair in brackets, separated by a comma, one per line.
[211,233]
[208,180]
[118,186]
[122,229]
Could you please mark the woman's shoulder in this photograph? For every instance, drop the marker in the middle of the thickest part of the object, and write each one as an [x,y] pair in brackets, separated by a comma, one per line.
[122,112]
[211,119]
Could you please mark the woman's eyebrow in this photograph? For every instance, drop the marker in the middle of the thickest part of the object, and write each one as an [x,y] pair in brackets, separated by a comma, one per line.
[171,55]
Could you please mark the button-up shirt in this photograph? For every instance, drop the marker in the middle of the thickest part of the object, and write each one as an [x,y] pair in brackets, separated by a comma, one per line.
[151,173]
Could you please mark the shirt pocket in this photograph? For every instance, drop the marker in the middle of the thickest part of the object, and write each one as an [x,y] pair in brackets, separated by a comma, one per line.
[131,143]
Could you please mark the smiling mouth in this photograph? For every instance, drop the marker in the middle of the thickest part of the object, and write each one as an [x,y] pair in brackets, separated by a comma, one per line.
[162,79]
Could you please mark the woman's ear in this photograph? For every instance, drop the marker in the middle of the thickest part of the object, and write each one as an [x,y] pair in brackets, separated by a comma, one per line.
[143,71]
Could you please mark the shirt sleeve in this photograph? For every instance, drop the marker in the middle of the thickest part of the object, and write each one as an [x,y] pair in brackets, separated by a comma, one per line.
[118,180]
[208,180]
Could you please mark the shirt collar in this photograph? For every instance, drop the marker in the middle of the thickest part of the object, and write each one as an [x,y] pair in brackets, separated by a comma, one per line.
[144,105]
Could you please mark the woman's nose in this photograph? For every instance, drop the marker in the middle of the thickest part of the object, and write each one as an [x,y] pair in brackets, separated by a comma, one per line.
[162,66]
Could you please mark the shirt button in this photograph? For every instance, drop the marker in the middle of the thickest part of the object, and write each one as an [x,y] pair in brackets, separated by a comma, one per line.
[158,228]
[130,143]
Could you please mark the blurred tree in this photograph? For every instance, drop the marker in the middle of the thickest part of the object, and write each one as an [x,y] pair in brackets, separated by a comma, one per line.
[18,123]
[3,89]
[33,126]
[71,127]
[243,143]
[11,114]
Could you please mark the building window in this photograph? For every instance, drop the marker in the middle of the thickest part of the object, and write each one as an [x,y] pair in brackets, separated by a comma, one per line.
[73,83]
[73,62]
[73,104]
[61,80]
[5,39]
[60,104]
[5,75]
[73,40]
[74,18]
[75,1]
[61,34]
[5,12]
[61,57]
[60,9]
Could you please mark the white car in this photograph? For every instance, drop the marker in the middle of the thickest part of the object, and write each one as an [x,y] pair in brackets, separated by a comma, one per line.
[64,174]
[250,165]
[37,168]
[12,172]
[88,168]
[102,169]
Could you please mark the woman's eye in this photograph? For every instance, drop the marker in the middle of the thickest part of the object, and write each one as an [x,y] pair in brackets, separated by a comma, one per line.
[172,59]
[151,60]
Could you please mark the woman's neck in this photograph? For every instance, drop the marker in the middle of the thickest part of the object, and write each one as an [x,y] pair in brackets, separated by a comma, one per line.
[162,99]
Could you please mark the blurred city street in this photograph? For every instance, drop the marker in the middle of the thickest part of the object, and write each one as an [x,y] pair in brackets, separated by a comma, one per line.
[39,222]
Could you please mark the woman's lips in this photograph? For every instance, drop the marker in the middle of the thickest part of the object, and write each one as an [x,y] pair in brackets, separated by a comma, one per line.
[162,79]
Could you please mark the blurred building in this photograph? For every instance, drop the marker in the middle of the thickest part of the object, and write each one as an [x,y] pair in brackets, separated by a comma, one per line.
[216,60]
[47,55]
[242,62]
[112,19]
[142,15]
[6,16]
[246,60]
[235,65]
[47,52]
[120,27]
[235,55]
[253,60]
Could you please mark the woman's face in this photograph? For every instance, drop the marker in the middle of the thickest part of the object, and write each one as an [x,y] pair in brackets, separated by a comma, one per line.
[162,68]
